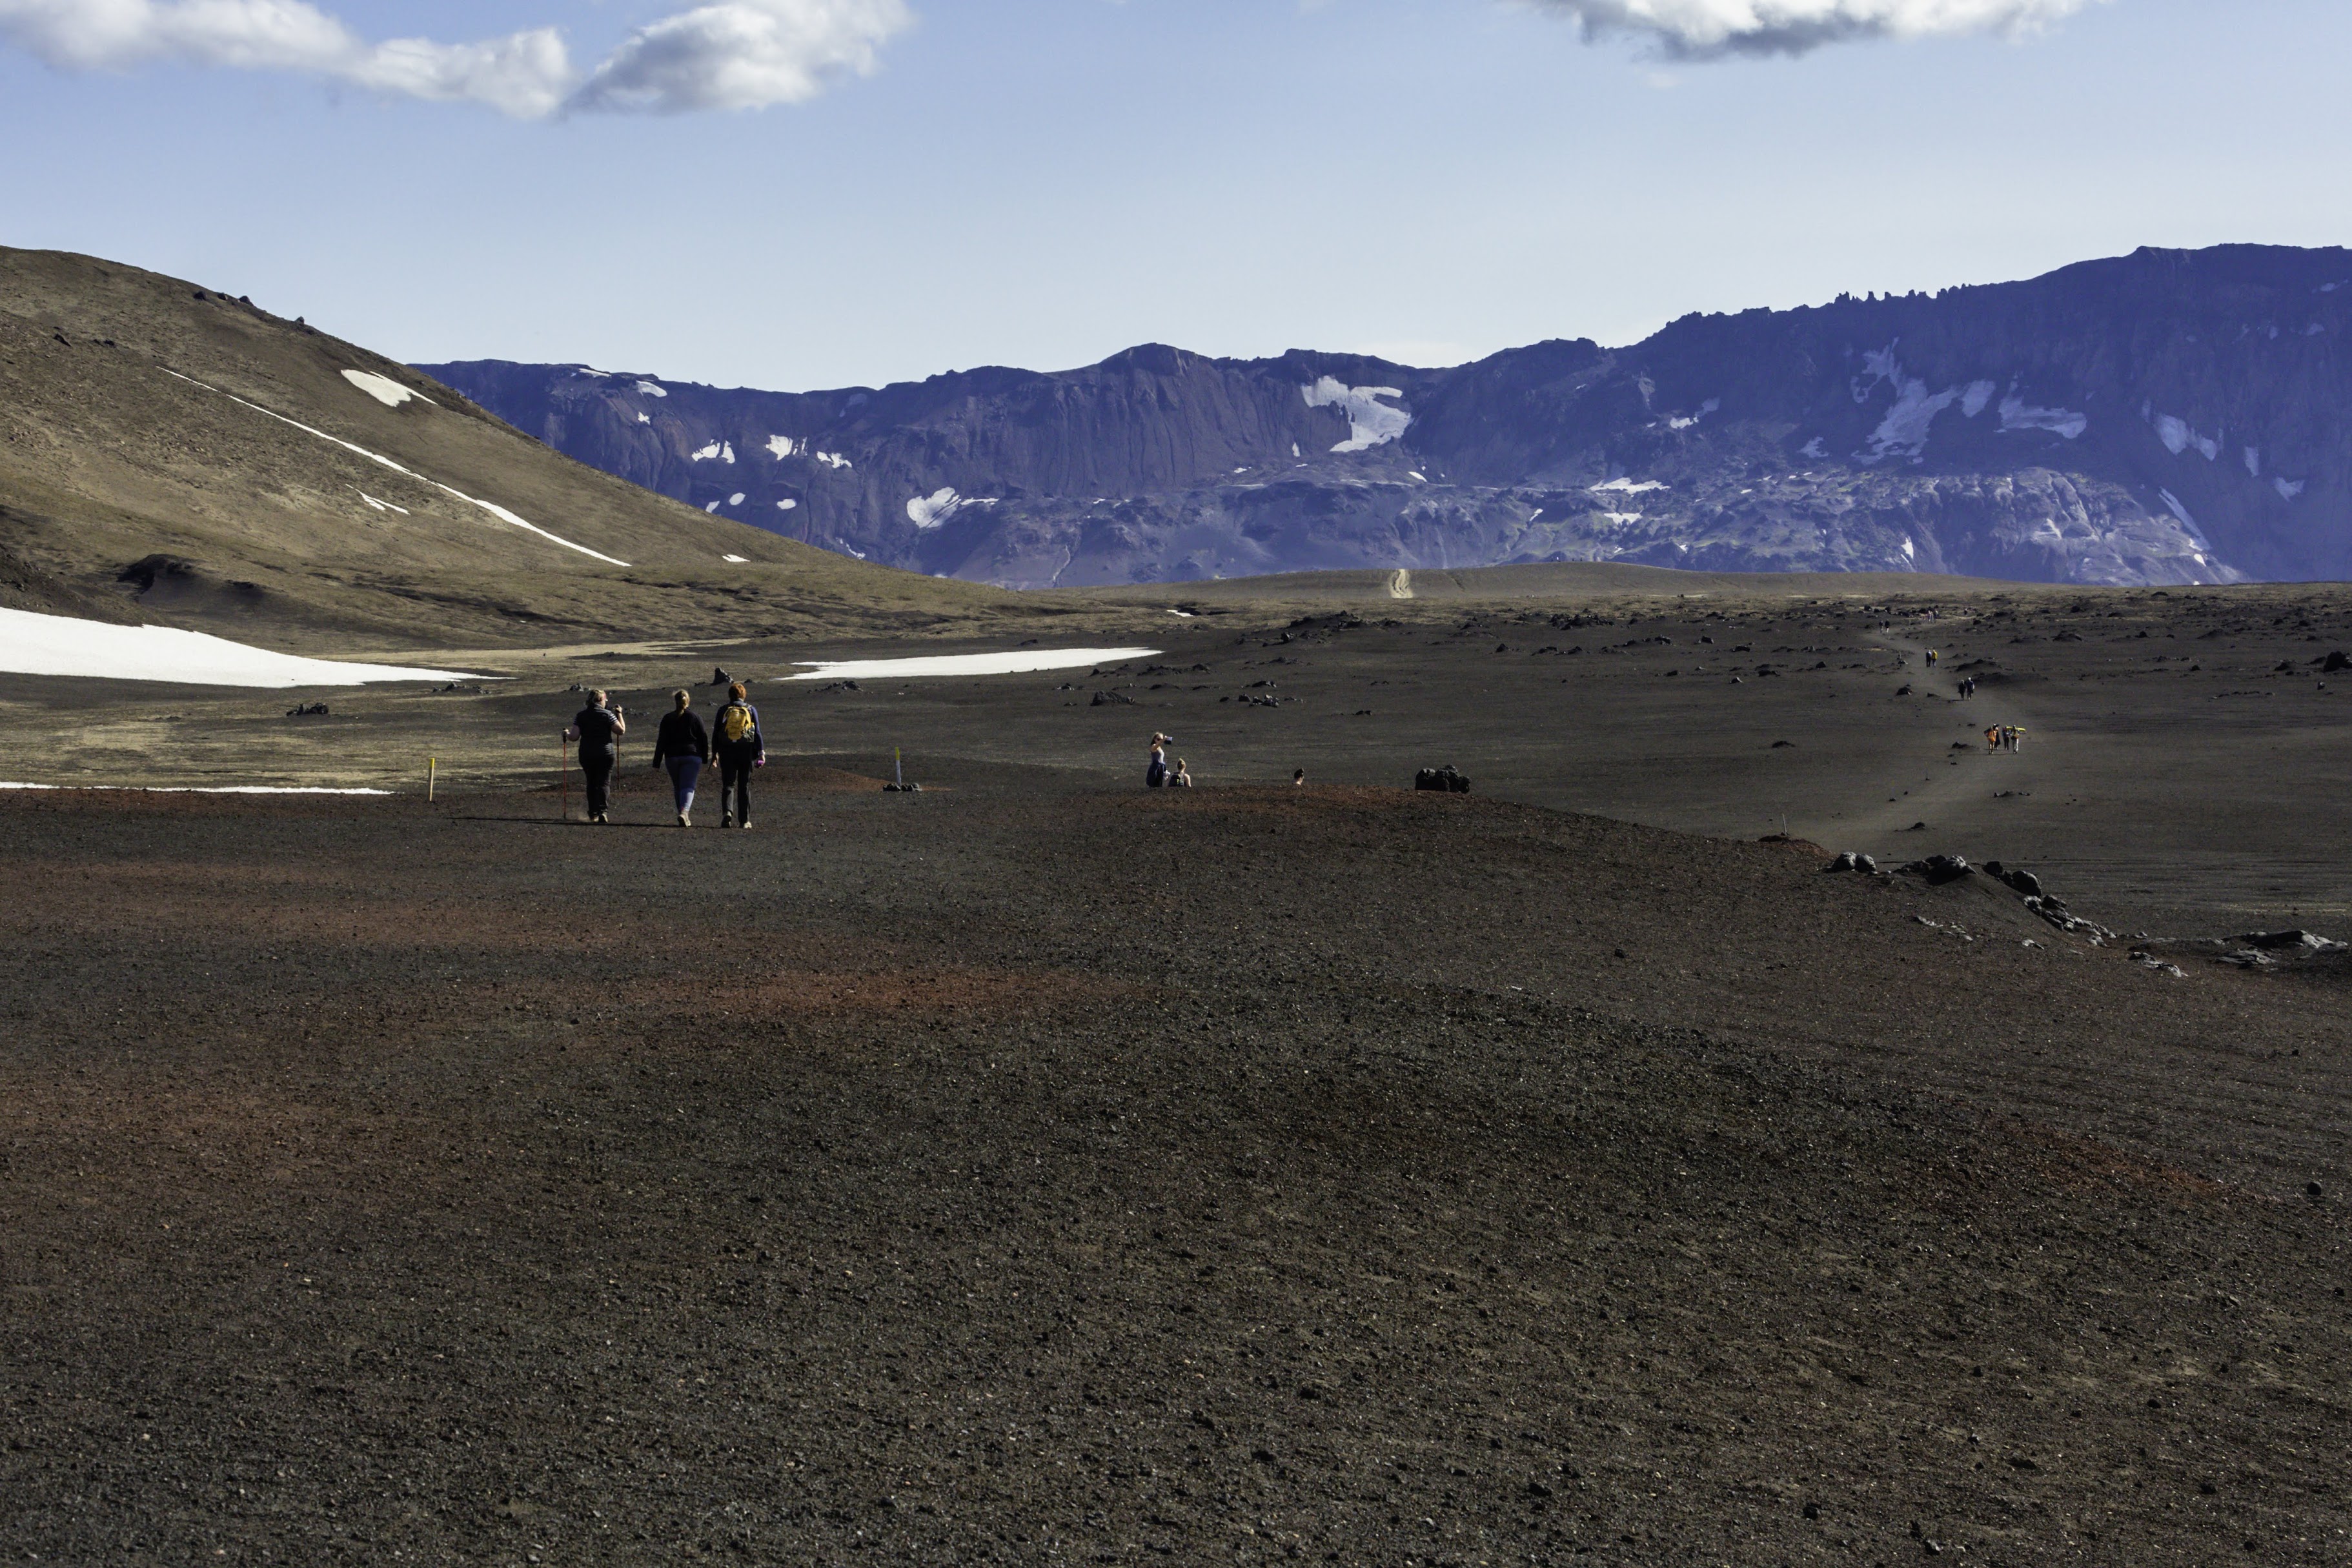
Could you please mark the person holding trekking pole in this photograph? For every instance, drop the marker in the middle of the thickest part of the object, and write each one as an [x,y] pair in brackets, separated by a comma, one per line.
[735,733]
[684,745]
[598,729]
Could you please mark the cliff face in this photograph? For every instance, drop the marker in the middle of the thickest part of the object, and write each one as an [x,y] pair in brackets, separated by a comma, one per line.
[2166,417]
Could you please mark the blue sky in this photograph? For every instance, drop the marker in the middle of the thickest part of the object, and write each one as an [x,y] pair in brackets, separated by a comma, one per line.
[1043,184]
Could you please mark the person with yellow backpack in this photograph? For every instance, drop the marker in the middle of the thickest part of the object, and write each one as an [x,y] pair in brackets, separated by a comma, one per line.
[735,737]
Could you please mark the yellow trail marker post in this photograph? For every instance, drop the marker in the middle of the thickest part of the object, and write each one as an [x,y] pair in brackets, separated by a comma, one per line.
[432,768]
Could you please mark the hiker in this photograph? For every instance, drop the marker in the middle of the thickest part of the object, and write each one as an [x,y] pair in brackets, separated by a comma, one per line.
[1155,771]
[598,728]
[1931,658]
[1993,737]
[735,735]
[2016,736]
[1299,780]
[684,745]
[1183,777]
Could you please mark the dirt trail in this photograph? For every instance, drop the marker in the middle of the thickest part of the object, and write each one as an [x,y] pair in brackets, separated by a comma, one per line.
[1945,783]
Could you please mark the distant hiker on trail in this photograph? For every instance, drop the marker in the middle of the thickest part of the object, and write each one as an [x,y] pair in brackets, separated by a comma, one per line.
[1183,777]
[1993,737]
[1299,780]
[1155,770]
[735,731]
[1931,658]
[598,729]
[684,745]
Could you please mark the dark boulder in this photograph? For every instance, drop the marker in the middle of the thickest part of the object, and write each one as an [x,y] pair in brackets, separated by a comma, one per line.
[1444,780]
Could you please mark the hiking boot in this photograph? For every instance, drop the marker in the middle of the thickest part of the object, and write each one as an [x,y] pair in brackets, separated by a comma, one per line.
[683,821]
[745,823]
[725,821]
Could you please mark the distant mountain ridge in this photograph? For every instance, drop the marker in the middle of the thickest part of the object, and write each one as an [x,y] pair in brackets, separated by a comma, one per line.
[2165,417]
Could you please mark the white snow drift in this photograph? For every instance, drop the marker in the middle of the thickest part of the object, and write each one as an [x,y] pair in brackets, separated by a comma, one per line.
[33,644]
[1025,661]
[932,511]
[385,390]
[1371,423]
[201,789]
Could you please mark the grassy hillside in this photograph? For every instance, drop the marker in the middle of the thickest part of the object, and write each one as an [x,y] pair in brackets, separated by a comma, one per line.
[149,471]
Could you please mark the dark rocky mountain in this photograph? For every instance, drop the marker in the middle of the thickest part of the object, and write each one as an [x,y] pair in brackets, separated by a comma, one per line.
[2165,417]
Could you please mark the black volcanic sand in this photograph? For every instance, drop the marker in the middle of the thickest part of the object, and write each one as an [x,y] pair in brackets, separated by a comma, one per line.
[2173,779]
[1031,1171]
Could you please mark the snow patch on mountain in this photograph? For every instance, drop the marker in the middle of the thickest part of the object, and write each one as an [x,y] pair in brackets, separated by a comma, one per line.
[385,390]
[1371,423]
[2178,435]
[933,510]
[1903,432]
[2016,413]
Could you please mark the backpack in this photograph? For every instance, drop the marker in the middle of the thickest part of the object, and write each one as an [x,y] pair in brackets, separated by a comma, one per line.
[736,725]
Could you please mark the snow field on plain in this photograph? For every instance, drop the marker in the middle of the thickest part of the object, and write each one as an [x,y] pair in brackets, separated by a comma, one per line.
[1022,662]
[34,644]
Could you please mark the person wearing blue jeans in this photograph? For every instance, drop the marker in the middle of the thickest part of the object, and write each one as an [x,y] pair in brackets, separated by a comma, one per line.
[682,746]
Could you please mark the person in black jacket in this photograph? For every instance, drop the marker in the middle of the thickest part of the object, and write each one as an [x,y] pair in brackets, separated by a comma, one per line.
[684,745]
[598,729]
[735,737]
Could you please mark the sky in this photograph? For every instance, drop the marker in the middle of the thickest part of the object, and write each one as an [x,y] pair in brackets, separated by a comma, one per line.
[807,194]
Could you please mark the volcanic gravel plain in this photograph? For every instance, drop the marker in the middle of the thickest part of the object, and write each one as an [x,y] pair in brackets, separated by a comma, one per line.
[1040,1169]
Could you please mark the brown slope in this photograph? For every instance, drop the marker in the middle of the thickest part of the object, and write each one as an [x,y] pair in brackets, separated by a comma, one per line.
[143,475]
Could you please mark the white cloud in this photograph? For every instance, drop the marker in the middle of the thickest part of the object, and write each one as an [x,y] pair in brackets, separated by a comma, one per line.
[1700,29]
[525,75]
[741,54]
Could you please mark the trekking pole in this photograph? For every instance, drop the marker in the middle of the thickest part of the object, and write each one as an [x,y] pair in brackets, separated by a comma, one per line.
[562,781]
[432,765]
[898,766]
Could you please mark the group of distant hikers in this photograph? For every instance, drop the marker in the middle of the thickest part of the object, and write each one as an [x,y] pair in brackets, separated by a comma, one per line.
[682,746]
[2004,736]
[1156,774]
